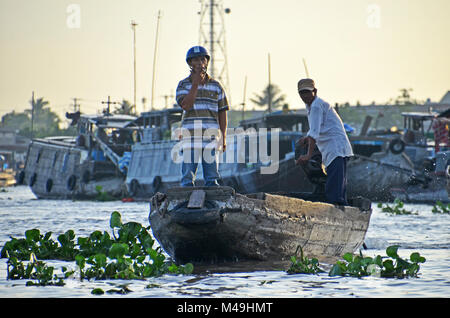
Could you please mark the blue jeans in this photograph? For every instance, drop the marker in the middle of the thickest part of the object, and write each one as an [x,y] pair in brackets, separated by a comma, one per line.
[336,185]
[189,169]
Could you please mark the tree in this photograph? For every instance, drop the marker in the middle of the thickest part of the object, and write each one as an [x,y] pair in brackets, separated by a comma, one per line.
[45,122]
[271,93]
[404,98]
[125,108]
[17,121]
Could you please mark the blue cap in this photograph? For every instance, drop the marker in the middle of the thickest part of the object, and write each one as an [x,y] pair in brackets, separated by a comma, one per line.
[197,51]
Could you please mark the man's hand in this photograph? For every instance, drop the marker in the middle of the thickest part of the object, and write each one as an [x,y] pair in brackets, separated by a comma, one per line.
[307,140]
[198,74]
[302,160]
[302,141]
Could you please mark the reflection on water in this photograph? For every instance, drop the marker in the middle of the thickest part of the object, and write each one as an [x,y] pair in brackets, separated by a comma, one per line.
[426,233]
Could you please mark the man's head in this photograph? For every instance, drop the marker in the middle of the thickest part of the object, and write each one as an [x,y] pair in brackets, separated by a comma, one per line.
[197,56]
[307,90]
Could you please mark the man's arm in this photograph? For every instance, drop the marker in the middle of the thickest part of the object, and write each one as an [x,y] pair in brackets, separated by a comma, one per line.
[197,76]
[188,101]
[315,120]
[311,144]
[223,128]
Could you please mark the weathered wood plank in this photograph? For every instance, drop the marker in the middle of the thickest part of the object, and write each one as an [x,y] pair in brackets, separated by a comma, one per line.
[212,193]
[197,199]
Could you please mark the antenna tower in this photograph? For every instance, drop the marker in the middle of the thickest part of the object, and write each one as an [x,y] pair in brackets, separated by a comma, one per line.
[212,36]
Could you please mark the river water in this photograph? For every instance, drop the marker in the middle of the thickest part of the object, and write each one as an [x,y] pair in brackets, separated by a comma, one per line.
[426,233]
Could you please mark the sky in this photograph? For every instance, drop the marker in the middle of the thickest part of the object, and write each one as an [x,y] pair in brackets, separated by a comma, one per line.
[355,50]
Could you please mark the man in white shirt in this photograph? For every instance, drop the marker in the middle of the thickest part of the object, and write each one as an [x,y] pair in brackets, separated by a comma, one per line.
[328,133]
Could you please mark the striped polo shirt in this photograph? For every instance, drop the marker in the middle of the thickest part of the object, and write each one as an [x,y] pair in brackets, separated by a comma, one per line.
[211,99]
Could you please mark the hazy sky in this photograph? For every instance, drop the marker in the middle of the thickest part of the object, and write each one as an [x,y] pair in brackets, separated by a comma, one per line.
[356,50]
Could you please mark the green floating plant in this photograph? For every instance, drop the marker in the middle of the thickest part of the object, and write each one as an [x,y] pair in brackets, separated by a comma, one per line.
[103,196]
[129,254]
[440,207]
[381,266]
[303,265]
[397,208]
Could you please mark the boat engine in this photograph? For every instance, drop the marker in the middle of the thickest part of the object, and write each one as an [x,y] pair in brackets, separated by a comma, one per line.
[313,168]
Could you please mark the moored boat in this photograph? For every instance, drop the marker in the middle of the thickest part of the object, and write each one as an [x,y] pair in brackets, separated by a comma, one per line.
[7,178]
[213,224]
[83,166]
[400,161]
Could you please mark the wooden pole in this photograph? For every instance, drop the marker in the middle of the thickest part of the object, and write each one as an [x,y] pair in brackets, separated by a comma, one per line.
[133,26]
[269,89]
[154,60]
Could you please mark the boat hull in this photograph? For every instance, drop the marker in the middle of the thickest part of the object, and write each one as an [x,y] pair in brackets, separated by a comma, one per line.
[435,190]
[263,227]
[374,178]
[55,170]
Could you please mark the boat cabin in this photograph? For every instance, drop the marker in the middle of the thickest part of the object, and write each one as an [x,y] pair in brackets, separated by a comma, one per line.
[110,129]
[414,126]
[157,125]
[285,121]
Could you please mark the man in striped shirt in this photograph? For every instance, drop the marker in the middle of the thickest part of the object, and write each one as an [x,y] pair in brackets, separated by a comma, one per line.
[204,121]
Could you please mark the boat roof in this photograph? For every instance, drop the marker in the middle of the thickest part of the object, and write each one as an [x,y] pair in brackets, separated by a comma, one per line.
[420,115]
[445,113]
[109,121]
[173,114]
[278,119]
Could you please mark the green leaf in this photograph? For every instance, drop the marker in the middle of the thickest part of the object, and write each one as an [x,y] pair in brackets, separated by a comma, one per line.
[348,257]
[388,265]
[118,250]
[80,261]
[188,268]
[100,259]
[129,231]
[335,271]
[97,291]
[116,220]
[416,258]
[378,260]
[391,251]
[33,235]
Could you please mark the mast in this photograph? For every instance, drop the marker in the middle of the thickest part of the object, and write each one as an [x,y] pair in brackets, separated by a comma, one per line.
[306,69]
[269,87]
[133,26]
[244,97]
[212,36]
[154,60]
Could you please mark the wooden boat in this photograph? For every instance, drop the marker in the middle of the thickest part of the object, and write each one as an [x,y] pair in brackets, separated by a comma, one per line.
[447,175]
[7,179]
[214,224]
[433,186]
[80,167]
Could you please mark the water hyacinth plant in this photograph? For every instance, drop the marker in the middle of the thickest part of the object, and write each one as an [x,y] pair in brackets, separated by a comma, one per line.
[390,266]
[440,207]
[303,265]
[397,208]
[129,254]
[381,266]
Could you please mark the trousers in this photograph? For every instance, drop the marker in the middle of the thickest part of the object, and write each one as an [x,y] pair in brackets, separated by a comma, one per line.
[336,185]
[189,168]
